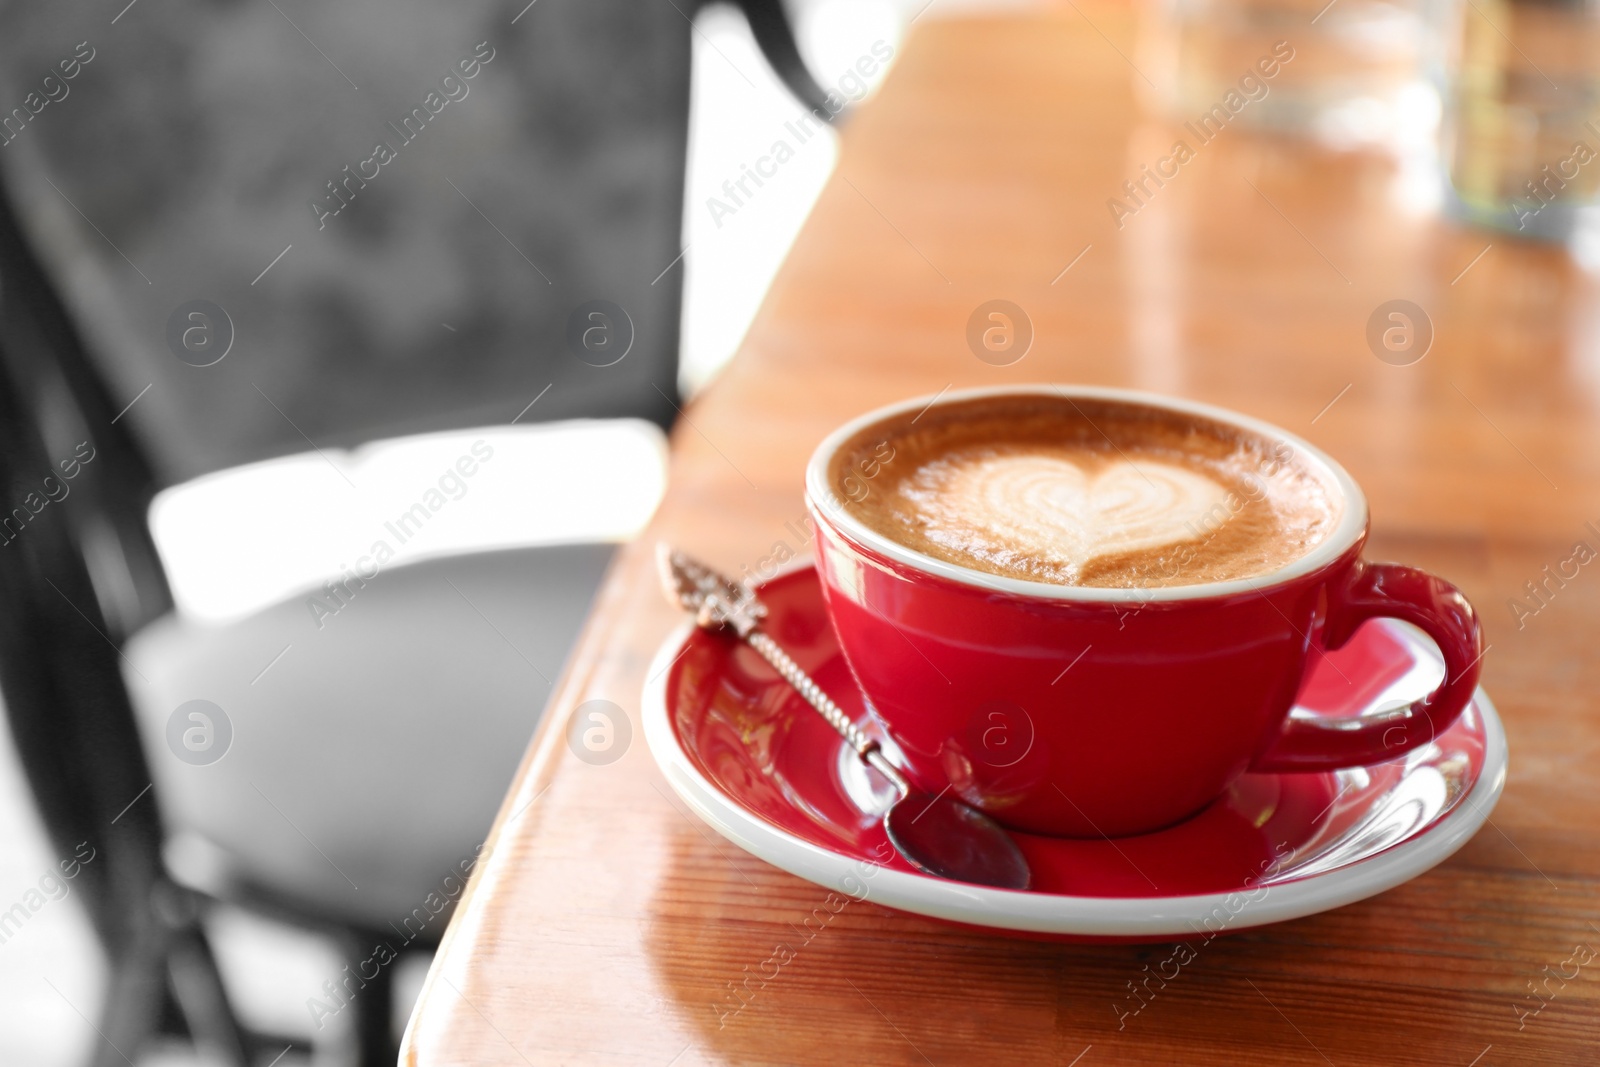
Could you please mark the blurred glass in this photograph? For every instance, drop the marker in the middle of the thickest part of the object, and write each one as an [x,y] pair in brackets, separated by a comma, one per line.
[1357,72]
[1521,136]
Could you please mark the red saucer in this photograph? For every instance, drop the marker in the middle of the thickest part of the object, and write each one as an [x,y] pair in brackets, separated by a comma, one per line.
[753,759]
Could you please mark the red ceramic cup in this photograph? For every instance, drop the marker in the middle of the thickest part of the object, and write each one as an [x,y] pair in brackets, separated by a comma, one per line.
[1104,712]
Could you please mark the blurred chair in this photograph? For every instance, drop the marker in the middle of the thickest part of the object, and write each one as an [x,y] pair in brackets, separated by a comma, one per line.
[244,272]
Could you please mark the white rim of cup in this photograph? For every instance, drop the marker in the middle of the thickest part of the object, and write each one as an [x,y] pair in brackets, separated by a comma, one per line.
[828,508]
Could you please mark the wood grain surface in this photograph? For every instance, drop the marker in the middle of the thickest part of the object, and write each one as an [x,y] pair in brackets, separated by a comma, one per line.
[606,924]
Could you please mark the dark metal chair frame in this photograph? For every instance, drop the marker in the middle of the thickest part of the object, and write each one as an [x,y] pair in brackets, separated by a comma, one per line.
[81,577]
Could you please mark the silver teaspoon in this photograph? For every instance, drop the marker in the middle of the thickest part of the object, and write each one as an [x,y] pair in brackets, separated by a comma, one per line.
[936,834]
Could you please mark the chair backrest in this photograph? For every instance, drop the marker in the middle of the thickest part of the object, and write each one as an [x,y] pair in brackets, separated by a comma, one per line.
[376,217]
[283,226]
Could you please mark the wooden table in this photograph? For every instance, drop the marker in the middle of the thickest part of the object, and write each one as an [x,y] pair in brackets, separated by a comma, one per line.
[607,923]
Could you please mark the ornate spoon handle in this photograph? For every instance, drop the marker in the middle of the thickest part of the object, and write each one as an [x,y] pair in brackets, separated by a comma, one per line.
[718,602]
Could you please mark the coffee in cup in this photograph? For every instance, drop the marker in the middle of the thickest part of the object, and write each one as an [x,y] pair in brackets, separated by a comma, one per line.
[1126,589]
[1083,492]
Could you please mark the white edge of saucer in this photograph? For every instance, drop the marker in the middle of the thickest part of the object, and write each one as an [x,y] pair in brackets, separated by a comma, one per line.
[1050,913]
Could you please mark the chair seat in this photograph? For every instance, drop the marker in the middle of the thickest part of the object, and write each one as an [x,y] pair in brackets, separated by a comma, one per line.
[373,735]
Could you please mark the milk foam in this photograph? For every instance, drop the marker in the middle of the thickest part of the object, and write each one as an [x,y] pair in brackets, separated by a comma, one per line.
[1080,492]
[1051,509]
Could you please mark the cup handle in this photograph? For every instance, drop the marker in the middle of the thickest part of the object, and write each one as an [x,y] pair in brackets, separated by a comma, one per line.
[1376,591]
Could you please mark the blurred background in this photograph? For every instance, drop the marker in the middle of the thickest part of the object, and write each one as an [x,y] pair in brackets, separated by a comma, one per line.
[126,181]
[292,420]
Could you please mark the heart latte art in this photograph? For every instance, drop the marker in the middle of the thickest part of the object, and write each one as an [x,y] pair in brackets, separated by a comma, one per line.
[1052,510]
[1083,491]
